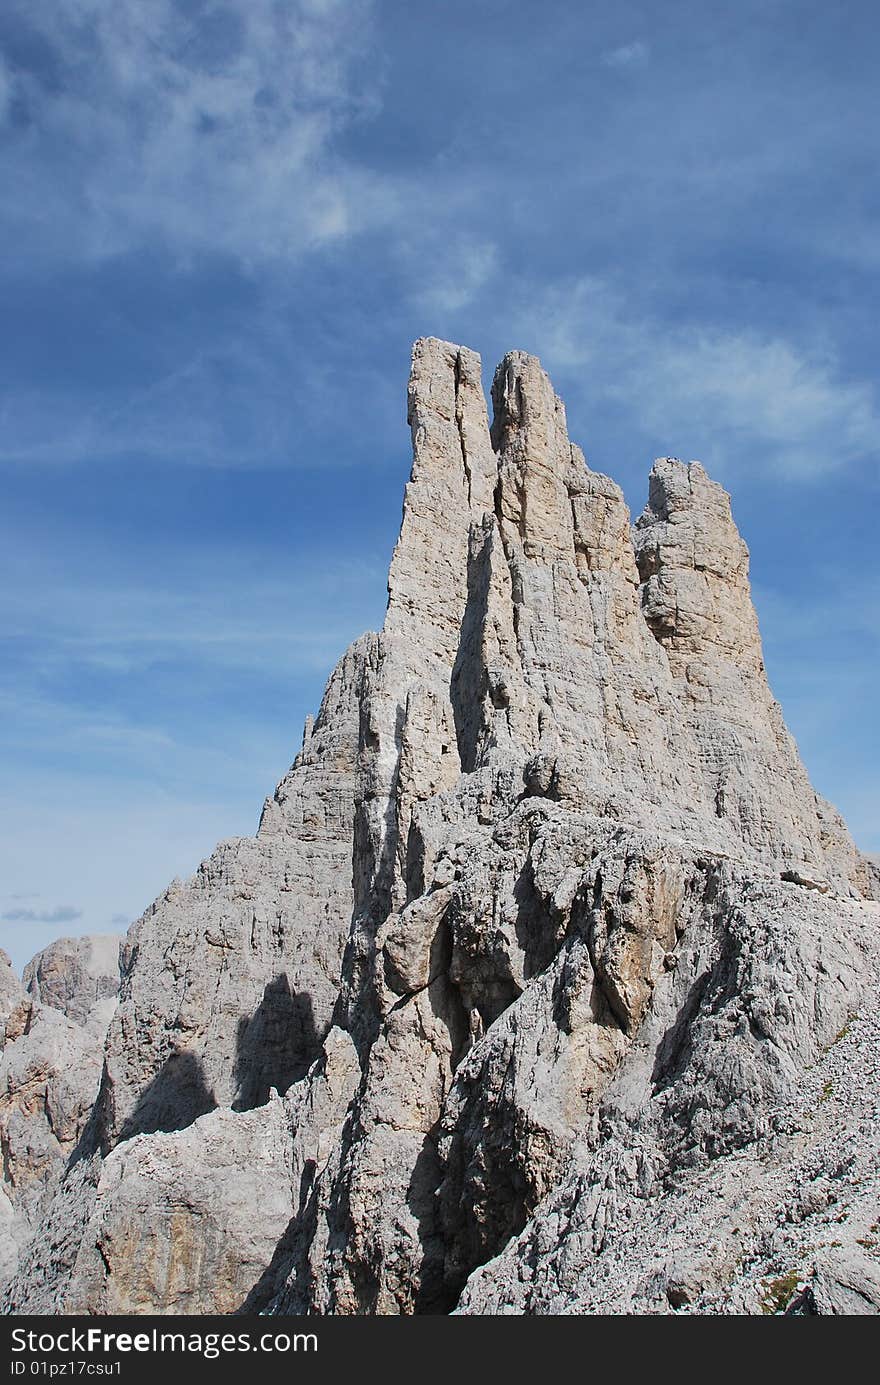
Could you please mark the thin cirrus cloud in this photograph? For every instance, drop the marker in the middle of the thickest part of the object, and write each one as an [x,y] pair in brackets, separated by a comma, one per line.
[126,680]
[218,610]
[219,404]
[204,128]
[454,277]
[728,395]
[224,403]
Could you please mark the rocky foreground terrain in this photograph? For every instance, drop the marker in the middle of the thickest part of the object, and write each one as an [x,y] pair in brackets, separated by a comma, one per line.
[548,983]
[52,1028]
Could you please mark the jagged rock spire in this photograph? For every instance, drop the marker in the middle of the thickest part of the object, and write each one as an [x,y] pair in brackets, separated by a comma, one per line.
[527,864]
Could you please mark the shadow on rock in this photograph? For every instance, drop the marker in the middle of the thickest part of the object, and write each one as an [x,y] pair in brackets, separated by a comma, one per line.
[177,1095]
[276,1046]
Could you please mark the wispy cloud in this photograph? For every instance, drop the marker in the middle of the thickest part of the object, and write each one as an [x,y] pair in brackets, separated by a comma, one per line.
[202,670]
[242,396]
[731,397]
[49,724]
[634,54]
[835,605]
[455,273]
[205,126]
[64,913]
[197,412]
[220,609]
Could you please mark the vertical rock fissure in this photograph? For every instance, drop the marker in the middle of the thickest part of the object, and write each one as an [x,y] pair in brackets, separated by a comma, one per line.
[459,423]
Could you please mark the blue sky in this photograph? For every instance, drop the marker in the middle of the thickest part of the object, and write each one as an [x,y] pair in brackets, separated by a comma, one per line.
[223,224]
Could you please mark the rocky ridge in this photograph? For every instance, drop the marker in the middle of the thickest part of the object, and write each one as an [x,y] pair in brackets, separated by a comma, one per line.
[538,952]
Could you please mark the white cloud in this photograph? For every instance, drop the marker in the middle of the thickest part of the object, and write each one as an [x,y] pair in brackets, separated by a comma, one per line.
[628,55]
[209,127]
[730,397]
[453,275]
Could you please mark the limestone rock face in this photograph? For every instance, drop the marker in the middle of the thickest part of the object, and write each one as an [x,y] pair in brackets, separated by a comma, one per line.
[74,975]
[187,1222]
[15,1006]
[696,601]
[543,940]
[731,1175]
[230,978]
[50,1071]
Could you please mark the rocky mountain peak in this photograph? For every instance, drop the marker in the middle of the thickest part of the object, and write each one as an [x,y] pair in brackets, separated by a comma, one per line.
[544,927]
